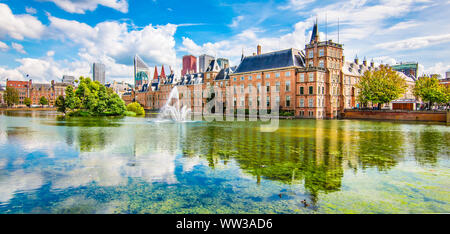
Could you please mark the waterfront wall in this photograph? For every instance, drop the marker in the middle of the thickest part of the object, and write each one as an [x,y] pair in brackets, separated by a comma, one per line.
[431,116]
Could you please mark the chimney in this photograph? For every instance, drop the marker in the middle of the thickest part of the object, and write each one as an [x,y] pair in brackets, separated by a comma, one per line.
[258,49]
[365,62]
[356,59]
[372,64]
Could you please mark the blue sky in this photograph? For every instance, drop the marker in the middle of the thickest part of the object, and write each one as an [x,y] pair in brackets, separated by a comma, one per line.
[49,38]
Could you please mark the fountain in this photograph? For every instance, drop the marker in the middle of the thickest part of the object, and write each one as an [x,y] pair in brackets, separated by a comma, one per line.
[173,110]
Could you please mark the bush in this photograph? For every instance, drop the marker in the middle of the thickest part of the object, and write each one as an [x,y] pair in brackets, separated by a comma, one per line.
[129,113]
[136,108]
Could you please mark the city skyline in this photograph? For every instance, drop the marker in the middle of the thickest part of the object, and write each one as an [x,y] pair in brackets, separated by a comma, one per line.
[66,37]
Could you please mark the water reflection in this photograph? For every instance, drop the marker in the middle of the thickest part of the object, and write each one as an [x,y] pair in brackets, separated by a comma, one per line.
[118,157]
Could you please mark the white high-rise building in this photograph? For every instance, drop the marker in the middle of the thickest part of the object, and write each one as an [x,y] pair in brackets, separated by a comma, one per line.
[204,61]
[98,72]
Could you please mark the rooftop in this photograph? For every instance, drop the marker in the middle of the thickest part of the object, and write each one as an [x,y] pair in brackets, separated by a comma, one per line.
[278,59]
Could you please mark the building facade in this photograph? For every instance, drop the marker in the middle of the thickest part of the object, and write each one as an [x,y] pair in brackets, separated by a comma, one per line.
[314,83]
[23,88]
[98,72]
[410,69]
[189,65]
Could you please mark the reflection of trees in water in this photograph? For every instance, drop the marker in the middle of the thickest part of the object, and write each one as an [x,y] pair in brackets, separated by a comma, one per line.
[428,145]
[315,158]
[92,139]
[380,148]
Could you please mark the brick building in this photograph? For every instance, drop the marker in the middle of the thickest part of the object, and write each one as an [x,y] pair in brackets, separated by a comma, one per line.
[23,88]
[315,82]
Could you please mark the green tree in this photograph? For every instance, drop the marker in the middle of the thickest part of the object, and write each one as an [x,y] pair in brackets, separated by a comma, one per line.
[61,104]
[27,102]
[93,98]
[430,90]
[380,86]
[11,96]
[43,101]
[136,108]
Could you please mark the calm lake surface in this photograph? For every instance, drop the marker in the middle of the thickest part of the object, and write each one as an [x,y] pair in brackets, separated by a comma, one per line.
[133,165]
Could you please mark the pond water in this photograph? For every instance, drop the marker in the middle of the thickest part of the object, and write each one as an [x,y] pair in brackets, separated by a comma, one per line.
[133,165]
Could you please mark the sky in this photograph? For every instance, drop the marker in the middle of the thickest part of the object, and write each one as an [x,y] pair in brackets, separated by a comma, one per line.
[46,39]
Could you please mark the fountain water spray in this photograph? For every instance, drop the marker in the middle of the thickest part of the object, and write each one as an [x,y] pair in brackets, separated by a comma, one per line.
[173,110]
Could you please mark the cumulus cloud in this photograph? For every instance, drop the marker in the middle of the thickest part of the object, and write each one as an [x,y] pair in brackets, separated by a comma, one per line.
[236,21]
[18,47]
[19,26]
[50,53]
[81,6]
[415,42]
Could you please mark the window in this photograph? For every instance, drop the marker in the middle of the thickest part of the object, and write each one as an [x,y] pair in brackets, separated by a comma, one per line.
[234,88]
[268,100]
[288,86]
[302,103]
[321,53]
[311,63]
[277,87]
[234,79]
[277,75]
[302,91]
[321,63]
[242,88]
[311,77]
[310,102]
[311,54]
[268,86]
[287,74]
[267,75]
[249,77]
[311,113]
[242,101]
[302,77]
[277,100]
[242,78]
[288,100]
[208,76]
[250,102]
[258,76]
[234,100]
[258,85]
[311,90]
[250,88]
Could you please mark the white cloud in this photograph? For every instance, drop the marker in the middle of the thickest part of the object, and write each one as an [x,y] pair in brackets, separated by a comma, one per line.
[19,26]
[438,68]
[30,10]
[236,21]
[3,46]
[18,47]
[415,42]
[81,6]
[155,44]
[296,5]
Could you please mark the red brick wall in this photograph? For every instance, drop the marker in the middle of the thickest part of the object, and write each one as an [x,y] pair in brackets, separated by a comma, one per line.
[396,115]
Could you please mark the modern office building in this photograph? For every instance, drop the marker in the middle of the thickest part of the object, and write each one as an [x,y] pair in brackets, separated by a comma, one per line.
[410,69]
[141,72]
[98,72]
[189,65]
[204,62]
[223,63]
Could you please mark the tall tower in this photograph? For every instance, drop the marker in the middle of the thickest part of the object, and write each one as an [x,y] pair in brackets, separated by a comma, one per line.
[98,72]
[326,58]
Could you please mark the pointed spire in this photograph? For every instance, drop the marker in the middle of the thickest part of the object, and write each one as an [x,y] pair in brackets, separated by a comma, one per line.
[315,33]
[242,57]
[155,74]
[163,74]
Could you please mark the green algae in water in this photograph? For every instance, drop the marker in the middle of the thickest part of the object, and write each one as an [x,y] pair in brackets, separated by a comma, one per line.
[130,165]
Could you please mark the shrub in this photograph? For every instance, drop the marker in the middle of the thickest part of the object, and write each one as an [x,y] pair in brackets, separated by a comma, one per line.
[136,108]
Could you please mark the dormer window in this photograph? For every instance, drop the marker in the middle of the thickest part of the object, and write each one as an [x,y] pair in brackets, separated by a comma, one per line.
[311,54]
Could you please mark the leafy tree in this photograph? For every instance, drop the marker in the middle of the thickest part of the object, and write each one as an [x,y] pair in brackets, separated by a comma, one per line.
[381,86]
[136,108]
[11,96]
[61,104]
[27,102]
[43,101]
[430,90]
[92,98]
